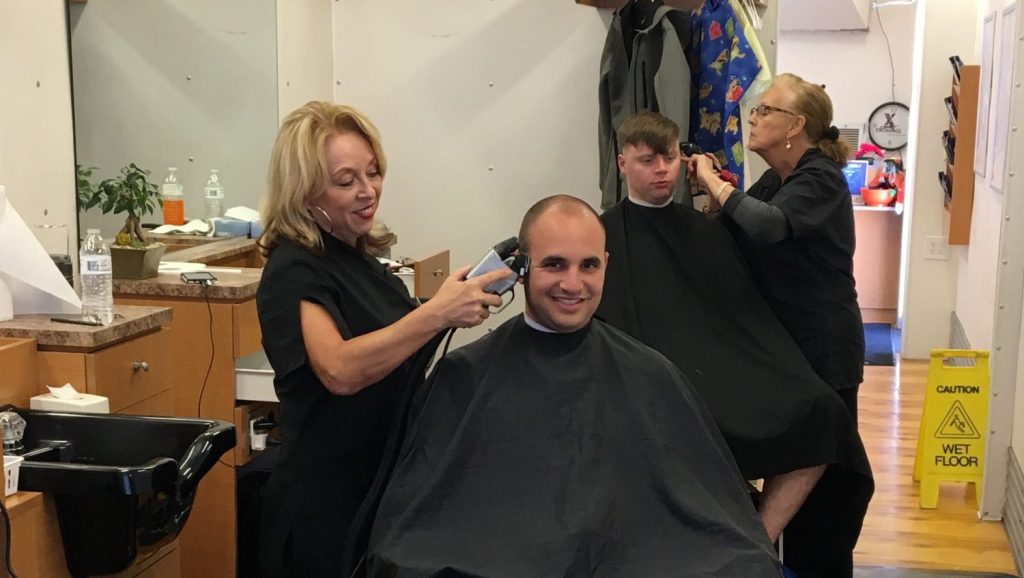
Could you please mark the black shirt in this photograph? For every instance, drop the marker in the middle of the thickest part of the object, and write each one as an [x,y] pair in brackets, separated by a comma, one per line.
[332,445]
[807,277]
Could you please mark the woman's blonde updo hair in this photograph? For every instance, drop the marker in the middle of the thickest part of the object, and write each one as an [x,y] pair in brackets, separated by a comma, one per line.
[298,172]
[811,101]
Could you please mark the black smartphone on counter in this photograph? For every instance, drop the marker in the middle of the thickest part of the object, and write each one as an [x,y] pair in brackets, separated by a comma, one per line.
[198,277]
[77,320]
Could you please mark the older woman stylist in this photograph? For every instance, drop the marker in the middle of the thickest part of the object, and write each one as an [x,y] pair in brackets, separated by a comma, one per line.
[795,228]
[339,331]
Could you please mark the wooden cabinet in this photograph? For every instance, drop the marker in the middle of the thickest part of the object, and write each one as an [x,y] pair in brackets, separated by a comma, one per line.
[19,382]
[958,141]
[126,362]
[430,273]
[38,551]
[134,375]
[876,262]
[244,413]
[205,338]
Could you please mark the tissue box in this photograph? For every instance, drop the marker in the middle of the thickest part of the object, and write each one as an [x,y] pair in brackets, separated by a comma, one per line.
[11,466]
[84,403]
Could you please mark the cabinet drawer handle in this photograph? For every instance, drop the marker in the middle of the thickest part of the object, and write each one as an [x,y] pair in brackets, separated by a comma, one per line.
[140,365]
[438,272]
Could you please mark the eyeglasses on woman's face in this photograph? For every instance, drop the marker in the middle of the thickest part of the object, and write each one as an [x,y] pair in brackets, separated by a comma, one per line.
[764,109]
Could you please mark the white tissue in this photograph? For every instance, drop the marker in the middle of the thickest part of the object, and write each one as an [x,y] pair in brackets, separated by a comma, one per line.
[66,391]
[67,398]
[179,267]
[193,227]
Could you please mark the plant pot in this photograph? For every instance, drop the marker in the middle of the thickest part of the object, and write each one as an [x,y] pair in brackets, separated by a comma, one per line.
[132,263]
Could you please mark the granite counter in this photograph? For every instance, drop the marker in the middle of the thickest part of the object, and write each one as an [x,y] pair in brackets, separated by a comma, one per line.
[234,285]
[129,321]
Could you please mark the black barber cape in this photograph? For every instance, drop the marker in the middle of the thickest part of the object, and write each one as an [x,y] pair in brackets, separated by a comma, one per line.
[582,454]
[677,282]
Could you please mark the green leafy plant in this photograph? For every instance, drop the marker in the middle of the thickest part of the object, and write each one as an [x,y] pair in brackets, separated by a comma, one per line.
[129,192]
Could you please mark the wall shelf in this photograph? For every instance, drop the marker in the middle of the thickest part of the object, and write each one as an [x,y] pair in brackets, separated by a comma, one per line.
[959,202]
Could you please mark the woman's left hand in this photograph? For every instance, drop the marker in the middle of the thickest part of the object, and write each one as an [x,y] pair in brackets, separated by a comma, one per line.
[701,168]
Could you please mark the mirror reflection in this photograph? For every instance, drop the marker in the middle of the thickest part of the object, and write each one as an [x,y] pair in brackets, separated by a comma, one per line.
[184,84]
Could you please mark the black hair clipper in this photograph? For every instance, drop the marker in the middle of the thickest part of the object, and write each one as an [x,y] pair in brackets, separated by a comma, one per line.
[690,149]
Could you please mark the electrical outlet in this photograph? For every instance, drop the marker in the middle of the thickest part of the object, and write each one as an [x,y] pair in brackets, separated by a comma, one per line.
[936,248]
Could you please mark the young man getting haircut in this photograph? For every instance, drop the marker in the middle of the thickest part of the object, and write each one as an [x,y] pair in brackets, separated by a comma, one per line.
[677,282]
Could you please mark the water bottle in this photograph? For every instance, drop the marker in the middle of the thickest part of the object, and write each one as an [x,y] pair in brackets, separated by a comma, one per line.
[173,198]
[214,194]
[97,283]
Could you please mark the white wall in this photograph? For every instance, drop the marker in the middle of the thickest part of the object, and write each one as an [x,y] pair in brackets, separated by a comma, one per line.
[484,108]
[1006,420]
[304,53]
[854,65]
[944,28]
[185,83]
[36,140]
[976,262]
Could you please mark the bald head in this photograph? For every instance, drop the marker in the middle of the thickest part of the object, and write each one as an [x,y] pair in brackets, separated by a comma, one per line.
[565,241]
[567,205]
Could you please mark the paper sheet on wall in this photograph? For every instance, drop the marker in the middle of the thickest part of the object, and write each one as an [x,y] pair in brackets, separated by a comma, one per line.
[33,282]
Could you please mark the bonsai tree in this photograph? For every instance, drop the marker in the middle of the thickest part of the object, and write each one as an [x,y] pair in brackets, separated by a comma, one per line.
[130,192]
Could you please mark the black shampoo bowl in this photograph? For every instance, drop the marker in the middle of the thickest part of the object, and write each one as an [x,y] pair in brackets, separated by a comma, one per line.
[122,484]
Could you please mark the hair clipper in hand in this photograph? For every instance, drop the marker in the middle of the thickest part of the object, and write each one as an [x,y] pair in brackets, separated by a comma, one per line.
[501,257]
[690,149]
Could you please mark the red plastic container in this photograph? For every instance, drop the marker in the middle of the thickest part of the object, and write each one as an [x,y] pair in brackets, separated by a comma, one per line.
[878,197]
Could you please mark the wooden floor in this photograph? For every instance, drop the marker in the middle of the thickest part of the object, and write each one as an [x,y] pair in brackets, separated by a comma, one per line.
[897,532]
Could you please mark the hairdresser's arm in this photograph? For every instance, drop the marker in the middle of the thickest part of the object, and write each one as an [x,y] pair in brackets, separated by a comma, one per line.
[346,366]
[761,221]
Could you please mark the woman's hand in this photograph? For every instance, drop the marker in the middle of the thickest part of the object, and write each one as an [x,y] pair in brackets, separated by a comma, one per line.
[702,169]
[346,366]
[464,303]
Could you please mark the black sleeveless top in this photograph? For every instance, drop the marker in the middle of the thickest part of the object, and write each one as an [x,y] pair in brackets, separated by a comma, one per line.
[332,445]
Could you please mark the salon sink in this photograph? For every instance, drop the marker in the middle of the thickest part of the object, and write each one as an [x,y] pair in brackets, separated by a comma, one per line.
[122,484]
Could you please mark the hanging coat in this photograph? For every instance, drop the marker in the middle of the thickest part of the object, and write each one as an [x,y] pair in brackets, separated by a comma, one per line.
[642,70]
[725,66]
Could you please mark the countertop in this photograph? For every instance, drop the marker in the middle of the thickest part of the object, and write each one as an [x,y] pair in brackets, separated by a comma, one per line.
[869,208]
[129,321]
[233,284]
[214,249]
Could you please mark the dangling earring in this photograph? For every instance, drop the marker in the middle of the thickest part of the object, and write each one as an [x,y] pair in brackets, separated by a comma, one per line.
[326,216]
[789,145]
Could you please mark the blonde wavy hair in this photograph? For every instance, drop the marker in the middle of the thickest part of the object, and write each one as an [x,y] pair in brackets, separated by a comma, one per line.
[811,101]
[298,172]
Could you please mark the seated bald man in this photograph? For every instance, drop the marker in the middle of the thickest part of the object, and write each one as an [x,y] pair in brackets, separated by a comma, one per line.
[560,446]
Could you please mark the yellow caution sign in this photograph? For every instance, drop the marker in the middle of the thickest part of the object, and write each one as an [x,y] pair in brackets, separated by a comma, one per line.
[951,440]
